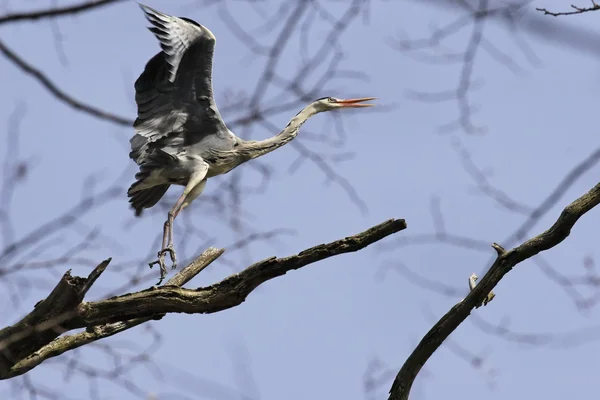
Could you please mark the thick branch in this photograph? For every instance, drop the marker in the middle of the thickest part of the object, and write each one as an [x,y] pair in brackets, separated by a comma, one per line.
[107,317]
[69,342]
[505,261]
[228,293]
[44,323]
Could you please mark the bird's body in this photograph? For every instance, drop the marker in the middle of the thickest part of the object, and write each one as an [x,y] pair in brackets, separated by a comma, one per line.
[177,116]
[180,137]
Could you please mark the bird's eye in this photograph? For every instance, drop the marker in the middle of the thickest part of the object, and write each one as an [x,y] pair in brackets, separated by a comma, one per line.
[330,99]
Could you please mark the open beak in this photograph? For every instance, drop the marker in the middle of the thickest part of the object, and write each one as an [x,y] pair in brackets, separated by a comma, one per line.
[356,103]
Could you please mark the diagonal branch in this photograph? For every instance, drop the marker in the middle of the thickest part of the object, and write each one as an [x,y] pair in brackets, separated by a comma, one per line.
[35,338]
[229,292]
[504,262]
[58,93]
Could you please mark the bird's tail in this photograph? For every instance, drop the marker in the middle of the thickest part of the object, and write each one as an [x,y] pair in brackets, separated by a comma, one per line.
[145,198]
[144,193]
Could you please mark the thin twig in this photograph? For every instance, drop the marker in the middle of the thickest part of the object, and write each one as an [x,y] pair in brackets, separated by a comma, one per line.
[58,93]
[55,11]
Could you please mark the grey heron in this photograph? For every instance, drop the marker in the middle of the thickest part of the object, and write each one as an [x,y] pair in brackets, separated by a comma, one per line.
[180,137]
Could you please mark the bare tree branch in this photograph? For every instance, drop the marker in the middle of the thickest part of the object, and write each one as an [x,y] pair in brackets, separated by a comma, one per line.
[56,11]
[504,262]
[576,10]
[71,342]
[58,93]
[557,193]
[35,338]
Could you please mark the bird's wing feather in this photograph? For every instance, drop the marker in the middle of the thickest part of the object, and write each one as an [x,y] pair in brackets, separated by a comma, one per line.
[174,83]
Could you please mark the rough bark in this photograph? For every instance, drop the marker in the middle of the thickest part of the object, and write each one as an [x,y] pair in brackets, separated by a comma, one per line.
[504,263]
[39,335]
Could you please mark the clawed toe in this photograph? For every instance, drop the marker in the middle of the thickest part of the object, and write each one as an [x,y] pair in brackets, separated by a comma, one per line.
[161,264]
[172,255]
[161,261]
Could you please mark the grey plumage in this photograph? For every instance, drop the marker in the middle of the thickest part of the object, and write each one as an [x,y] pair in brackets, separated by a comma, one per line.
[180,137]
[147,198]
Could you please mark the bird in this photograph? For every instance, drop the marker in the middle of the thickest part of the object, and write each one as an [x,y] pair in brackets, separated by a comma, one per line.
[180,138]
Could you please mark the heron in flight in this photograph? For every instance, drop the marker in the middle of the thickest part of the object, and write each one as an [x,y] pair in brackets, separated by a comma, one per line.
[180,137]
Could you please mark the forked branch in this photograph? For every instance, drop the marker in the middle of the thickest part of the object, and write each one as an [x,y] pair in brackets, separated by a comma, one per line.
[37,336]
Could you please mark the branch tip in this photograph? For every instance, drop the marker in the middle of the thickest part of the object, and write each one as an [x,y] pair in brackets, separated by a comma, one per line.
[499,249]
[195,267]
[93,276]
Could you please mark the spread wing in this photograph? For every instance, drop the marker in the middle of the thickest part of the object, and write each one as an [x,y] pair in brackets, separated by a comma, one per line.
[174,92]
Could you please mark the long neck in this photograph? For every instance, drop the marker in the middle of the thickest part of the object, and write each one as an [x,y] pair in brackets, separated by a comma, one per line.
[254,149]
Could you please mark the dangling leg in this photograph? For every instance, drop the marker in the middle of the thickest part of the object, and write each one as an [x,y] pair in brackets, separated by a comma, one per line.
[193,189]
[195,192]
[167,241]
[167,245]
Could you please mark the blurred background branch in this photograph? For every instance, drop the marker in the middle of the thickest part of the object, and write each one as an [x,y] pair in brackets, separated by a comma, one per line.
[488,111]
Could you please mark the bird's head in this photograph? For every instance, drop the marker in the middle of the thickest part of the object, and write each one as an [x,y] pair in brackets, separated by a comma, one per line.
[331,103]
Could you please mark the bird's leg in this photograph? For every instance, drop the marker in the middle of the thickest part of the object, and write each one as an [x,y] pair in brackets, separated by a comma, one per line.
[164,250]
[193,189]
[196,191]
[167,241]
[191,196]
[181,203]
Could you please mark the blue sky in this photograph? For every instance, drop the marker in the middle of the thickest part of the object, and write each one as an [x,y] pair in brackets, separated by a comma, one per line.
[312,333]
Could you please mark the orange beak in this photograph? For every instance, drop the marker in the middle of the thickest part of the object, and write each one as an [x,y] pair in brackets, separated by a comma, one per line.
[356,103]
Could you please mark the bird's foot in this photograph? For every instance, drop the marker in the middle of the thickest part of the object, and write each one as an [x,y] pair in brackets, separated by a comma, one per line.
[161,261]
[171,250]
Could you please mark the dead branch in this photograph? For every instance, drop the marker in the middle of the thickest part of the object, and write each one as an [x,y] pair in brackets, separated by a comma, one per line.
[70,342]
[36,337]
[504,262]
